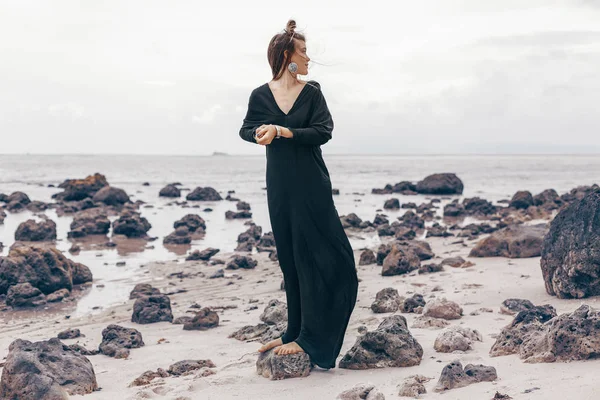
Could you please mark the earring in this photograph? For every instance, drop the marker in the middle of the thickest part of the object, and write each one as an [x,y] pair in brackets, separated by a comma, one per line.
[293,67]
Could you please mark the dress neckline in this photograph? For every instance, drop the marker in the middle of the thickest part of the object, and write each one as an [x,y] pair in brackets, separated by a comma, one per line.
[293,104]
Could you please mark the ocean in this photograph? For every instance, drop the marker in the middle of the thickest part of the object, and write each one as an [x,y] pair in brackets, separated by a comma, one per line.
[493,177]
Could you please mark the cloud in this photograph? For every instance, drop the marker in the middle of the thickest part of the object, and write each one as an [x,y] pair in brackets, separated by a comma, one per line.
[544,39]
[207,116]
[67,110]
[160,83]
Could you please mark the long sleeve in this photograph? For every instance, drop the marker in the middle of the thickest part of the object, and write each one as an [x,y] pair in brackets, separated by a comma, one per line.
[320,127]
[250,122]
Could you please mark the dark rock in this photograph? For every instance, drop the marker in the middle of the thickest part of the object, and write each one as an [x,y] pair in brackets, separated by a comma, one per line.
[413,386]
[456,262]
[514,306]
[350,221]
[148,376]
[143,289]
[250,332]
[69,334]
[386,190]
[45,370]
[117,340]
[454,376]
[182,320]
[184,367]
[170,191]
[252,234]
[17,201]
[411,304]
[570,255]
[380,219]
[420,247]
[447,183]
[579,193]
[390,345]
[33,231]
[238,215]
[392,203]
[548,198]
[79,189]
[385,230]
[204,194]
[219,274]
[367,257]
[266,242]
[437,230]
[442,308]
[400,261]
[180,236]
[82,350]
[150,309]
[131,224]
[274,332]
[404,187]
[111,196]
[386,300]
[242,205]
[411,220]
[526,323]
[430,268]
[521,199]
[44,268]
[80,274]
[514,241]
[456,338]
[193,222]
[244,262]
[567,337]
[274,312]
[24,295]
[454,209]
[57,296]
[276,367]
[203,320]
[204,255]
[479,207]
[89,222]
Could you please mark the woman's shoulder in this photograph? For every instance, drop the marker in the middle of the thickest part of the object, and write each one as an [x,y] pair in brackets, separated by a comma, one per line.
[314,84]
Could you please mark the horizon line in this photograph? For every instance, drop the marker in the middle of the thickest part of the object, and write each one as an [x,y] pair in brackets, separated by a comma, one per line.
[224,154]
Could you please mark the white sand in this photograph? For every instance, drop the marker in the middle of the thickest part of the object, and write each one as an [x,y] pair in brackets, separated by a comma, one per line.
[237,379]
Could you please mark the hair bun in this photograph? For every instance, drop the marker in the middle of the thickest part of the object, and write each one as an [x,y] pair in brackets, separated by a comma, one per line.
[291,26]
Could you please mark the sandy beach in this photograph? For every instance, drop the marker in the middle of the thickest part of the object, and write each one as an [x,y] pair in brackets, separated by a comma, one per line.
[484,285]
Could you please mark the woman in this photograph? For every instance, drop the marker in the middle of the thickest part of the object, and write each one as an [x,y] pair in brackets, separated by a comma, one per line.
[291,119]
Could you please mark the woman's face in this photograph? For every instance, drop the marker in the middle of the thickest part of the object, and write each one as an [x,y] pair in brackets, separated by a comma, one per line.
[300,57]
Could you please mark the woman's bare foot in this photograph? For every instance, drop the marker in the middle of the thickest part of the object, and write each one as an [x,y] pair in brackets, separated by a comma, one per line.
[270,345]
[289,348]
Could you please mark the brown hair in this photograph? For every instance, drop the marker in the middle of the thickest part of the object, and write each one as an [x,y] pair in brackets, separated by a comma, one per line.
[279,43]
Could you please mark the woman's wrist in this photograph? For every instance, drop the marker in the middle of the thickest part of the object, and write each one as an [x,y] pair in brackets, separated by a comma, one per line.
[286,133]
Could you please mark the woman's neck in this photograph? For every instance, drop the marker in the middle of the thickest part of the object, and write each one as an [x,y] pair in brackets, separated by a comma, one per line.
[286,81]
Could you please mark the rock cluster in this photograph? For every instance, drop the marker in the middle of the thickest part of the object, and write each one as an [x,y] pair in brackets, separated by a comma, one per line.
[46,369]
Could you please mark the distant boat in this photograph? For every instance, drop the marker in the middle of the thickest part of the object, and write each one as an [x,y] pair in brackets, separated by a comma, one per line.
[218,153]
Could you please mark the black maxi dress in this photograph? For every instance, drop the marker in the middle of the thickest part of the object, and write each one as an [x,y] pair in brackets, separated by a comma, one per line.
[315,255]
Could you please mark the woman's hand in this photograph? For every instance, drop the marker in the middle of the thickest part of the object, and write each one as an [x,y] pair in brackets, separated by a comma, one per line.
[265,134]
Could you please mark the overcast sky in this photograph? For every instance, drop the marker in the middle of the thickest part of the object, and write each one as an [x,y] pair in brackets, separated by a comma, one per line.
[428,76]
